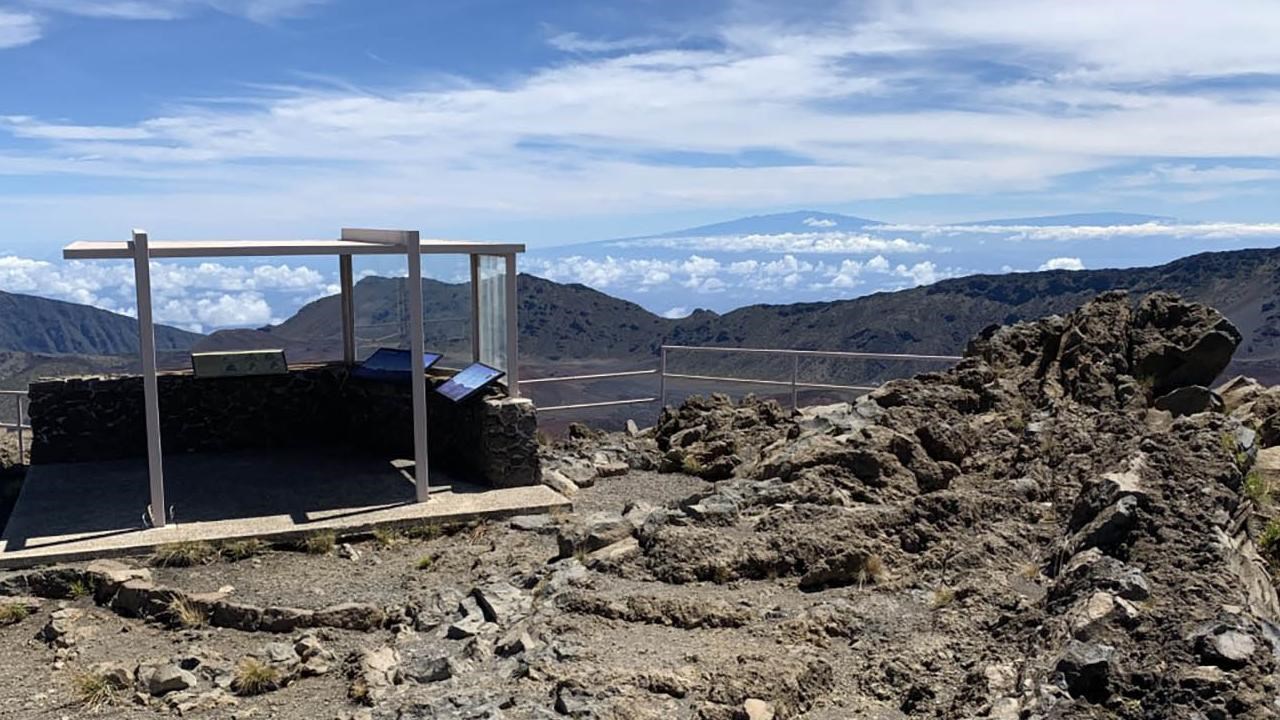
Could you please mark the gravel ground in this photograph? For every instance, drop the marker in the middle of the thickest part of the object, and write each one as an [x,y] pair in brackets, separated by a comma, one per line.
[41,679]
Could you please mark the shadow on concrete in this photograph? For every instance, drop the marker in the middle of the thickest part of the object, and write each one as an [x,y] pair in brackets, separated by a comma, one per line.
[100,499]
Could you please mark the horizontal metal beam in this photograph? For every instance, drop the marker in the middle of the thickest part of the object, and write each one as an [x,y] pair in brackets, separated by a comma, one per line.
[757,381]
[598,376]
[607,403]
[812,353]
[107,250]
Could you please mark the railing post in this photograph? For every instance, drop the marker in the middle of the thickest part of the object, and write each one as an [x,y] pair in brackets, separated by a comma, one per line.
[795,375]
[22,449]
[662,380]
[347,284]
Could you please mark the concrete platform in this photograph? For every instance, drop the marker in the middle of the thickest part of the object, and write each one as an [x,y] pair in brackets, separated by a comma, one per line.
[77,511]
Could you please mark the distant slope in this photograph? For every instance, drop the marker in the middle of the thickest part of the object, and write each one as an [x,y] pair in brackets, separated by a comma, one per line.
[572,322]
[940,318]
[556,322]
[33,324]
[562,324]
[792,222]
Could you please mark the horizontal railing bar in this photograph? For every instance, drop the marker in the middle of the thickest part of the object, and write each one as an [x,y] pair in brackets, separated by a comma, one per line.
[607,403]
[598,376]
[713,378]
[812,353]
[13,392]
[757,381]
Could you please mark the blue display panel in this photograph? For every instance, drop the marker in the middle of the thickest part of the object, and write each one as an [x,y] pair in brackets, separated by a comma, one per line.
[391,364]
[468,380]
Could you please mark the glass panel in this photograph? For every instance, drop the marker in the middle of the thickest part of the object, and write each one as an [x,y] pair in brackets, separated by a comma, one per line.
[493,311]
[382,311]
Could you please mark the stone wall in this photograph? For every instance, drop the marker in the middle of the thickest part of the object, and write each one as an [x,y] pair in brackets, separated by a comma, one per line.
[492,438]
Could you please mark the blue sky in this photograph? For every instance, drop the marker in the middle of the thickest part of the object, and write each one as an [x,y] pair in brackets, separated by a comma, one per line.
[563,122]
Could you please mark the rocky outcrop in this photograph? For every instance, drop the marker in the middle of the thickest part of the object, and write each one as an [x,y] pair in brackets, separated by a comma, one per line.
[958,469]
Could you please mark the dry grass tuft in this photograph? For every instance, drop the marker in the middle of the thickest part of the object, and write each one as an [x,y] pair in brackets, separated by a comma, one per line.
[184,554]
[425,562]
[186,614]
[254,677]
[14,613]
[94,690]
[426,531]
[872,572]
[321,542]
[234,550]
[478,532]
[690,465]
[942,597]
[388,537]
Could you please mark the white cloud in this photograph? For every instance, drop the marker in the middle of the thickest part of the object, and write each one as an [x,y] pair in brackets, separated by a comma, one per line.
[677,312]
[206,294]
[819,222]
[18,28]
[1187,174]
[263,11]
[1062,263]
[922,273]
[847,275]
[575,43]
[842,243]
[224,310]
[878,263]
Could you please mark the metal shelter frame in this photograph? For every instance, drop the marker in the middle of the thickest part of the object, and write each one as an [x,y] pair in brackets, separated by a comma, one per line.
[352,241]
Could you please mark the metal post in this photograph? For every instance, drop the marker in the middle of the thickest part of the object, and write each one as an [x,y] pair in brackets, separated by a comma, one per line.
[347,283]
[150,386]
[22,449]
[662,380]
[475,308]
[513,355]
[417,369]
[795,374]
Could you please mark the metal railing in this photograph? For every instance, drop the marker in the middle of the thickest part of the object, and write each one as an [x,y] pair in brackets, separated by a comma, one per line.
[794,383]
[19,424]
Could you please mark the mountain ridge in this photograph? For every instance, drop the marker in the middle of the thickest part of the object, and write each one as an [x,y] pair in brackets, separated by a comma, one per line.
[571,322]
[34,324]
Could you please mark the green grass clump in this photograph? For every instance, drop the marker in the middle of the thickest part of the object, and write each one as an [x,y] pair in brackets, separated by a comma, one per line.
[184,554]
[426,531]
[94,690]
[1256,488]
[1269,540]
[1228,442]
[388,537]
[15,613]
[321,542]
[254,677]
[78,589]
[425,562]
[235,550]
